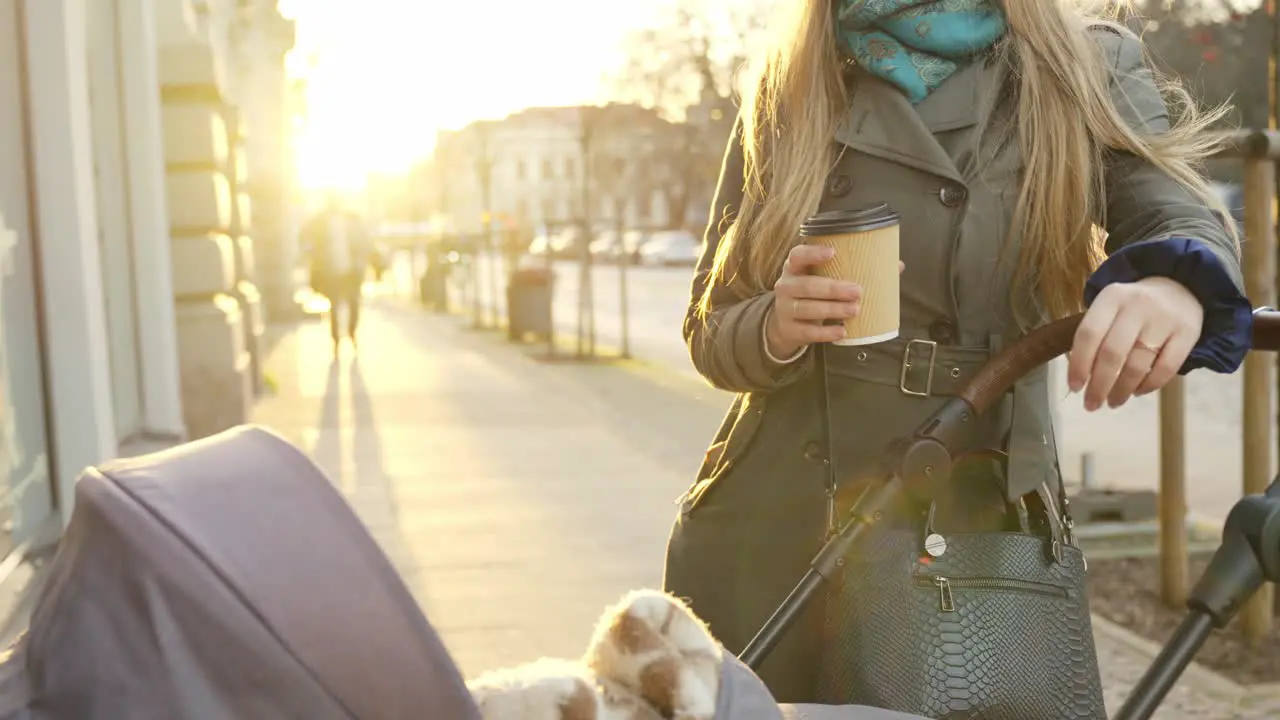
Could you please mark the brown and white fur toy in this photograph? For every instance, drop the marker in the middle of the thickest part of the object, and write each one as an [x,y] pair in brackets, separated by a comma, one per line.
[650,658]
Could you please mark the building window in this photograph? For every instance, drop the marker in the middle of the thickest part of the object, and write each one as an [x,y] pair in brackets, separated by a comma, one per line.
[548,172]
[569,168]
[520,169]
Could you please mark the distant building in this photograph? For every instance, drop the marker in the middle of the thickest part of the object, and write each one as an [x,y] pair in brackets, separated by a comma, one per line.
[711,122]
[638,166]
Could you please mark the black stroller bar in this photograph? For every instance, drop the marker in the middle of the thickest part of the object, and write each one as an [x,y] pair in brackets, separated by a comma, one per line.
[1248,557]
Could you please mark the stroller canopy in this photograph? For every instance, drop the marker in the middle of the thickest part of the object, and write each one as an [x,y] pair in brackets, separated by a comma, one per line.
[224,579]
[228,579]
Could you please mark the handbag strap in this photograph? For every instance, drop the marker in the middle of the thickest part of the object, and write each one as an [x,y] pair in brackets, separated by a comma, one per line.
[1064,505]
[828,437]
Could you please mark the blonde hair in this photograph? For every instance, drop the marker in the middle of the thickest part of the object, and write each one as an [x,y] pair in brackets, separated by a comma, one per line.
[1066,122]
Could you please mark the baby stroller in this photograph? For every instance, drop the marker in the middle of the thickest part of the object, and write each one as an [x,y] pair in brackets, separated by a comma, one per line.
[228,579]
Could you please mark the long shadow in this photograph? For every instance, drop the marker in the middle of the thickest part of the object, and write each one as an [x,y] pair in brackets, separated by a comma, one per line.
[327,449]
[373,494]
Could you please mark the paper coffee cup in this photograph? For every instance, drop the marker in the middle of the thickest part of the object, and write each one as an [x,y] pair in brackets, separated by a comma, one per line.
[866,245]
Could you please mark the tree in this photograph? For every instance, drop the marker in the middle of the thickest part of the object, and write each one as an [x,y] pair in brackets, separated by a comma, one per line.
[686,67]
[695,50]
[1217,48]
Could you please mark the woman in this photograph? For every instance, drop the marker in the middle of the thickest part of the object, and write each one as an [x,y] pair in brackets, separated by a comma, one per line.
[1005,134]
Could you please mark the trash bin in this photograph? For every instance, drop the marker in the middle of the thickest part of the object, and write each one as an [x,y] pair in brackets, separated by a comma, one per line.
[433,288]
[529,297]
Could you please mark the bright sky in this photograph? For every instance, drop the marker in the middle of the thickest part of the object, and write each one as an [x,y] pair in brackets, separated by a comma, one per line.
[388,74]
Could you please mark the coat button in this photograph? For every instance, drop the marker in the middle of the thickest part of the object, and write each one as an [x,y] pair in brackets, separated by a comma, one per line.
[943,332]
[840,185]
[813,452]
[952,195]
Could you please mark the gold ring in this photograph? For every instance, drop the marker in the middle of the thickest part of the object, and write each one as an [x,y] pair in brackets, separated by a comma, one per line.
[1143,346]
[795,308]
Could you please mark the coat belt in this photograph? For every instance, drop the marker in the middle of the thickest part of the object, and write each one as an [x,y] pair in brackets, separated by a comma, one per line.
[915,366]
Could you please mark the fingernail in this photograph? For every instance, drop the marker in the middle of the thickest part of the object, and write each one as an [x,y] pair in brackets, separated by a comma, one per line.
[1074,386]
[852,309]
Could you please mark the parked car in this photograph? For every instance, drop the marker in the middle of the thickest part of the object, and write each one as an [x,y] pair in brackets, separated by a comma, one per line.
[608,248]
[671,248]
[633,240]
[568,243]
[539,246]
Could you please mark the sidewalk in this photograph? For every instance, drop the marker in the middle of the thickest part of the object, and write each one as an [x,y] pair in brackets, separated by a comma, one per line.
[519,498]
[506,491]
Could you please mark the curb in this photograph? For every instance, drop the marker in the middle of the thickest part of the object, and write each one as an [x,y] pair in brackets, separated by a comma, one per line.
[1196,676]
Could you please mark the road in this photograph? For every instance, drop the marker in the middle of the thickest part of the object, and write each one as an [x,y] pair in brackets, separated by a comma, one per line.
[1124,443]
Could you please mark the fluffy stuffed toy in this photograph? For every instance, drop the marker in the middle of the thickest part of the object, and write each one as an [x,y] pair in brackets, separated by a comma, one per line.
[650,658]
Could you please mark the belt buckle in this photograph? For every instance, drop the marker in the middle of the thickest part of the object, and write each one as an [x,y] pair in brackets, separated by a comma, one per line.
[906,365]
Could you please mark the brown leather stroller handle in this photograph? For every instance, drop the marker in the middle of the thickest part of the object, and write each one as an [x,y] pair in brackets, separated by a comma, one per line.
[1029,352]
[1049,341]
[1266,329]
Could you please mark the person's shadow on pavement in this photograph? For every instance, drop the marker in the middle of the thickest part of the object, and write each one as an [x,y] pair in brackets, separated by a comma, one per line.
[326,450]
[372,492]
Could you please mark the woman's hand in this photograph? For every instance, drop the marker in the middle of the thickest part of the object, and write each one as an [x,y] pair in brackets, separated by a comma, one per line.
[803,302]
[1133,340]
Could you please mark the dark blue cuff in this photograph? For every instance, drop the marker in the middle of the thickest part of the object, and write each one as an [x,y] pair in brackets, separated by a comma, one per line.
[1228,315]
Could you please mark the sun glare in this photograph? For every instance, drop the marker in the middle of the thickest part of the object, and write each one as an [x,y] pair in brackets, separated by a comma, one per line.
[384,76]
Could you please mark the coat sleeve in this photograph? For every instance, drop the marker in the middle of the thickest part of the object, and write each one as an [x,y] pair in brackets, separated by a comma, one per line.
[1156,227]
[727,345]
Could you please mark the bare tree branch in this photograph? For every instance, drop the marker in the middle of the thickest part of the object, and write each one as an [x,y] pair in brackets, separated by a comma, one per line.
[693,52]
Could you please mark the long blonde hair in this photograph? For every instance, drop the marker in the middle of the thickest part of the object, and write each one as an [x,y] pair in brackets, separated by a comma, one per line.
[1066,121]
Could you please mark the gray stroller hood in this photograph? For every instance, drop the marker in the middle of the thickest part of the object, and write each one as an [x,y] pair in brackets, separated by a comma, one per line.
[743,696]
[224,579]
[228,579]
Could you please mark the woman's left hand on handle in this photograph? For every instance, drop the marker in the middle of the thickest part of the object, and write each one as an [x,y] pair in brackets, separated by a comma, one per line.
[1133,340]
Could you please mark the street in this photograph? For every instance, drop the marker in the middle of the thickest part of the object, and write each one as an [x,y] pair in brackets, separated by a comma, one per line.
[1124,442]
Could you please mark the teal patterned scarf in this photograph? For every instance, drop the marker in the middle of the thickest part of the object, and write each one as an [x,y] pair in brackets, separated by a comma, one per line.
[916,44]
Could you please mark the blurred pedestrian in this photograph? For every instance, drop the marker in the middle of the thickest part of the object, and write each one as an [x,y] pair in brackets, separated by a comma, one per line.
[341,251]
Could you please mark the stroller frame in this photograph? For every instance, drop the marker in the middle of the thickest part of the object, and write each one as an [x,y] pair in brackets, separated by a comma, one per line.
[1248,557]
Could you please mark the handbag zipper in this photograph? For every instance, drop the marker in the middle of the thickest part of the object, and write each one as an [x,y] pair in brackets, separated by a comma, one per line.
[947,601]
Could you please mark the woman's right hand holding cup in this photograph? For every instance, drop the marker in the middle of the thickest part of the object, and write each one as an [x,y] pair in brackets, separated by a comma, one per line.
[803,302]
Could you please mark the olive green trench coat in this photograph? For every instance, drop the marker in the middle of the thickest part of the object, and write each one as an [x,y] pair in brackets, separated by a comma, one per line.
[750,525]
